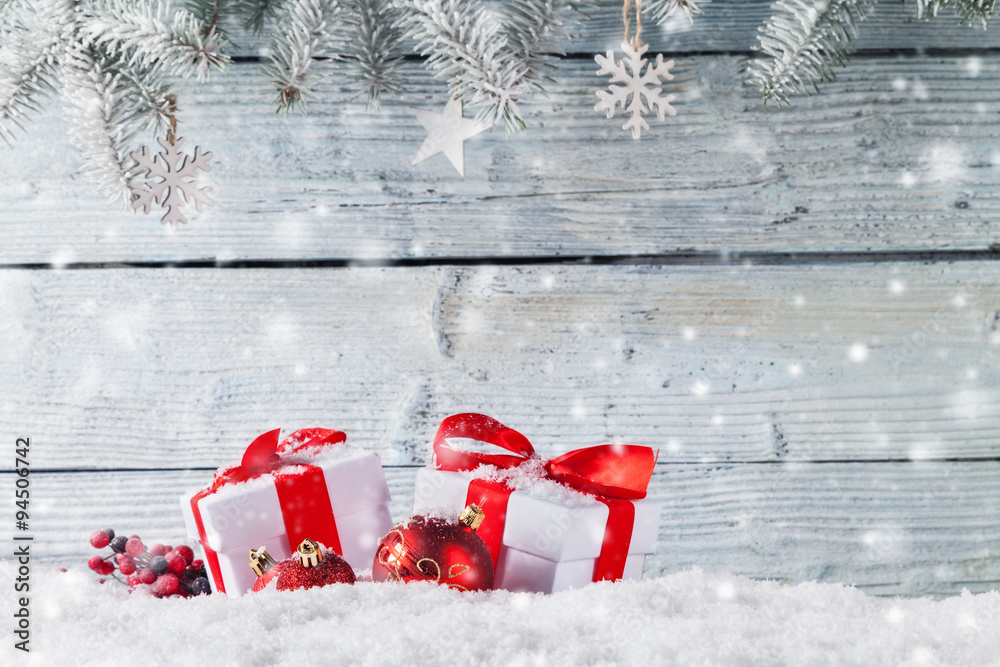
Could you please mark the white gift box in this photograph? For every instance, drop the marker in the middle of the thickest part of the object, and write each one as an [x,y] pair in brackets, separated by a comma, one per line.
[246,515]
[550,543]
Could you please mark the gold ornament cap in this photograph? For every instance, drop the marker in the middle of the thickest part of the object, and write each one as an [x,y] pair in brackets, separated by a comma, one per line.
[261,561]
[472,516]
[309,553]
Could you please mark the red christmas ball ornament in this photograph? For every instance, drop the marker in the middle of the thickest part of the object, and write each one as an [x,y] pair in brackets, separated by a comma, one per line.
[311,567]
[265,567]
[434,549]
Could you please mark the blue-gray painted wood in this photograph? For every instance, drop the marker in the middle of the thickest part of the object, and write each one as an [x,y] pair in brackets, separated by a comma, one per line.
[903,153]
[818,416]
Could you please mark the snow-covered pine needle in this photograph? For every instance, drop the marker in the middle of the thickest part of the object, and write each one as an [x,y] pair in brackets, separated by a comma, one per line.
[303,33]
[5,5]
[103,120]
[374,47]
[257,13]
[661,10]
[149,31]
[535,29]
[146,97]
[211,15]
[803,40]
[466,45]
[968,11]
[32,41]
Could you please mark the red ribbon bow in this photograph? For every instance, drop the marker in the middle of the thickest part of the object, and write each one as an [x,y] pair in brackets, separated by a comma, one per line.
[615,474]
[263,455]
[304,499]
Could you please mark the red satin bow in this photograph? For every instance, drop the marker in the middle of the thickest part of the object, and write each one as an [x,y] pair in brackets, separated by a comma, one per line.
[616,471]
[263,455]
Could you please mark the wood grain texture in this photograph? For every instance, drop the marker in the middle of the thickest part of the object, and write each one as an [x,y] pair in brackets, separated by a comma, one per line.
[912,528]
[153,368]
[903,153]
[732,26]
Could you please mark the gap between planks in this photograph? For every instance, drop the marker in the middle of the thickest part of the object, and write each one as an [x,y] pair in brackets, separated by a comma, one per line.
[663,259]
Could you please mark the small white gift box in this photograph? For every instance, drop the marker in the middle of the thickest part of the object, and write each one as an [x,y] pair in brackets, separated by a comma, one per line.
[553,536]
[313,486]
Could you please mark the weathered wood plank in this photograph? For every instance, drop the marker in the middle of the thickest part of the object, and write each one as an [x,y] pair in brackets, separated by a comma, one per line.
[889,528]
[732,26]
[900,154]
[161,368]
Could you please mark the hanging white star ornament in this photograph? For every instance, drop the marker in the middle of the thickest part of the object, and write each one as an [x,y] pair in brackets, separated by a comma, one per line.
[637,96]
[447,132]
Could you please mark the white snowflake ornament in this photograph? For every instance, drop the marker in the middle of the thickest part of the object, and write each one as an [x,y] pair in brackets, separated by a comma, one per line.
[171,180]
[638,96]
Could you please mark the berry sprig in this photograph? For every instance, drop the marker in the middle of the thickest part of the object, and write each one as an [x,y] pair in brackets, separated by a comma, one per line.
[167,571]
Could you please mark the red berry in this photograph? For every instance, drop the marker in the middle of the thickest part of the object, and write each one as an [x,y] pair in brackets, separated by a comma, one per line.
[96,563]
[99,539]
[175,563]
[134,547]
[166,584]
[133,581]
[159,550]
[126,565]
[196,564]
[105,567]
[62,569]
[186,553]
[146,576]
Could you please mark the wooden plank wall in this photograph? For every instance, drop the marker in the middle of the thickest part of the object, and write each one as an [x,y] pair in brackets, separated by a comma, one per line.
[800,309]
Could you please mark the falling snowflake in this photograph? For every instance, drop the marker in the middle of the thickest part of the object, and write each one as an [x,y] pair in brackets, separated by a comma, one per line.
[638,86]
[171,180]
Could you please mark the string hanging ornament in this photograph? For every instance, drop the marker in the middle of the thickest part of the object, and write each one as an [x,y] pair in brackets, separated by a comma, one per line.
[641,92]
[171,176]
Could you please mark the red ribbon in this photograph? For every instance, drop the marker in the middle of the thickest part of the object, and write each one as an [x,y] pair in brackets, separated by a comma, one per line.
[615,474]
[303,497]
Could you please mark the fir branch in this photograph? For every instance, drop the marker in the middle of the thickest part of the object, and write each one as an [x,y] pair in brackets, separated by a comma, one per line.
[104,123]
[5,6]
[661,10]
[209,14]
[33,41]
[145,31]
[467,46]
[803,39]
[968,11]
[534,29]
[257,13]
[971,11]
[302,34]
[375,47]
[146,96]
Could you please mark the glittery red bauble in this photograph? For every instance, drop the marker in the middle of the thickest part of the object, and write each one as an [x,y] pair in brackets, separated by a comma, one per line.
[432,549]
[264,579]
[331,570]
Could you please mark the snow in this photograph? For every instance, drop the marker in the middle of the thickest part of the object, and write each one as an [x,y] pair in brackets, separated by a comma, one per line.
[690,618]
[325,457]
[530,478]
